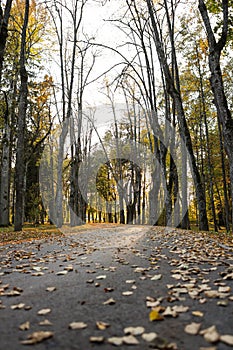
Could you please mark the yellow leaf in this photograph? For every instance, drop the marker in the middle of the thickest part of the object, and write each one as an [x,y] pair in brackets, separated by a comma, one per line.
[155,316]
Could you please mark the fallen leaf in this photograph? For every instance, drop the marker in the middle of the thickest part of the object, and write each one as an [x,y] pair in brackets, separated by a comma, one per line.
[169,312]
[77,325]
[224,289]
[130,340]
[102,325]
[102,277]
[226,338]
[45,323]
[149,337]
[130,281]
[211,334]
[193,328]
[50,289]
[25,326]
[156,277]
[37,337]
[61,273]
[127,293]
[155,316]
[212,293]
[98,340]
[197,313]
[43,312]
[117,341]
[110,301]
[222,302]
[18,306]
[134,330]
[180,308]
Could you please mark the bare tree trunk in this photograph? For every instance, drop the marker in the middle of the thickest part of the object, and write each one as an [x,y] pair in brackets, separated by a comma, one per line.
[226,202]
[20,167]
[5,161]
[5,170]
[176,96]
[216,81]
[4,19]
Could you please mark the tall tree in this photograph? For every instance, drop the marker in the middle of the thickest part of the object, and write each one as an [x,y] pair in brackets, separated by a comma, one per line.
[5,178]
[4,19]
[174,90]
[20,152]
[216,47]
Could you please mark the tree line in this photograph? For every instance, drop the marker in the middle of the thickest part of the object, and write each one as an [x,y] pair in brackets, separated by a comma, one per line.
[167,156]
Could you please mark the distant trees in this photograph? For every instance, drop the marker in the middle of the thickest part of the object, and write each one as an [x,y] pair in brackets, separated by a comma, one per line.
[163,159]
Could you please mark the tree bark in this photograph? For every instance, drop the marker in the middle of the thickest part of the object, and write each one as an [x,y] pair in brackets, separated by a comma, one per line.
[20,167]
[4,19]
[5,170]
[216,80]
[176,96]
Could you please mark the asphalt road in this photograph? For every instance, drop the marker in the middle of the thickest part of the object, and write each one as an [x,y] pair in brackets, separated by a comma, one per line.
[115,275]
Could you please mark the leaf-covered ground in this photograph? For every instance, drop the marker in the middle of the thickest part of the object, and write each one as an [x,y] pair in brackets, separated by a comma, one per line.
[104,287]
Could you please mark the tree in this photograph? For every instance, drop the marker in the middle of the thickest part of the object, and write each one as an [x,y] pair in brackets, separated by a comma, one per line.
[20,153]
[216,47]
[173,88]
[4,19]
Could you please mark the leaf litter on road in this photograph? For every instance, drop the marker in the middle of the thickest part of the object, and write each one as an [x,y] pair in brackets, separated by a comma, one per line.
[193,261]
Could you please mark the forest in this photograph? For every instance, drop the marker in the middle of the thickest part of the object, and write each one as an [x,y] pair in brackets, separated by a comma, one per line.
[116,111]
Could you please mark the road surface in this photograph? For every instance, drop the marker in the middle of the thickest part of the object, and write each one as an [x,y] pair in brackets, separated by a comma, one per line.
[83,290]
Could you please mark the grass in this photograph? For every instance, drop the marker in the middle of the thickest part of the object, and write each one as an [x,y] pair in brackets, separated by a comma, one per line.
[29,232]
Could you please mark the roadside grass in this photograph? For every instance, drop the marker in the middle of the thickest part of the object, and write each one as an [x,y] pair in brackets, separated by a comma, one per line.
[29,232]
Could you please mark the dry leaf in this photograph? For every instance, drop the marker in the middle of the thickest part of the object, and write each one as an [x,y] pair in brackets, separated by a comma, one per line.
[101,277]
[228,339]
[110,301]
[98,340]
[43,312]
[127,293]
[25,326]
[193,328]
[61,273]
[180,308]
[117,341]
[37,337]
[149,337]
[198,313]
[134,330]
[77,325]
[130,281]
[156,277]
[45,323]
[169,312]
[211,293]
[18,306]
[211,334]
[224,289]
[102,325]
[155,316]
[50,289]
[130,340]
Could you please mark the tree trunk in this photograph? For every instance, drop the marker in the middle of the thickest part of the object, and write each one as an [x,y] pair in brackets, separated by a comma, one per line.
[176,96]
[20,166]
[4,18]
[216,81]
[5,171]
